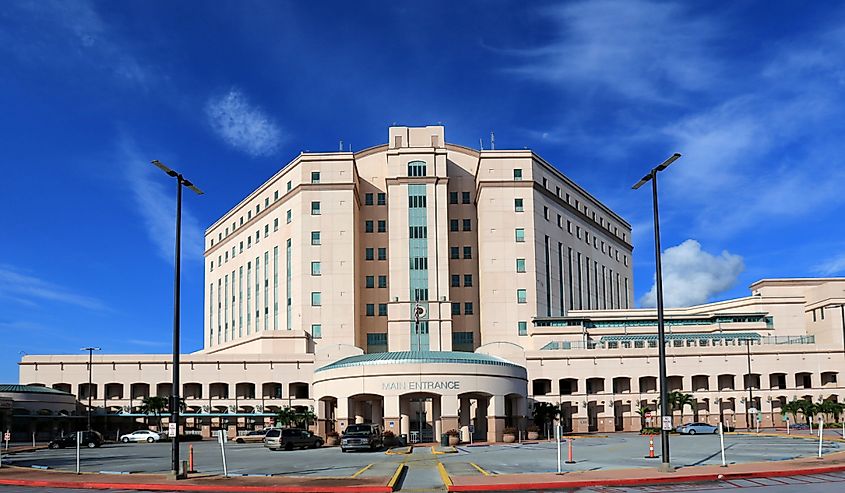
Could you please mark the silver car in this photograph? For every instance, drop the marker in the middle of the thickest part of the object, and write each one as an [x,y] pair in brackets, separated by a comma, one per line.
[697,429]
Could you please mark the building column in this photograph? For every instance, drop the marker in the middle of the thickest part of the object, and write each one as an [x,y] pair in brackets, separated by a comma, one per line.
[436,411]
[449,409]
[496,418]
[390,415]
[465,410]
[342,414]
[358,409]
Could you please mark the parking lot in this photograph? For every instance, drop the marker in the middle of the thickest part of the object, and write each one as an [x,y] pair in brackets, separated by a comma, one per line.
[616,451]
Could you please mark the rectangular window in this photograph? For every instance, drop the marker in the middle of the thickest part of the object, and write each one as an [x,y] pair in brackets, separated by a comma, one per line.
[382,226]
[382,281]
[467,252]
[382,199]
[467,224]
[315,208]
[545,183]
[315,237]
[315,177]
[453,197]
[545,213]
[316,298]
[316,331]
[463,341]
[368,199]
[289,186]
[370,282]
[465,197]
[368,254]
[368,226]
[288,216]
[456,280]
[266,230]
[517,205]
[456,308]
[382,309]
[519,235]
[467,308]
[522,328]
[517,174]
[276,195]
[377,342]
[520,265]
[371,310]
[521,296]
[467,280]
[315,268]
[382,253]
[453,224]
[454,253]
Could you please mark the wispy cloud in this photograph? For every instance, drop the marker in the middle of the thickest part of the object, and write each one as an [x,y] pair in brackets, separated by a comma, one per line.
[832,266]
[31,290]
[146,343]
[692,276]
[634,48]
[243,125]
[155,202]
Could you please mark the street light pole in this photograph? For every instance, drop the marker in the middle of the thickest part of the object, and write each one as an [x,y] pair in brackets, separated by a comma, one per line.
[90,350]
[174,397]
[750,402]
[666,421]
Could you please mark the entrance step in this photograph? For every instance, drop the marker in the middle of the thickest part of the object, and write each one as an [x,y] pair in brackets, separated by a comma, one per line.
[422,473]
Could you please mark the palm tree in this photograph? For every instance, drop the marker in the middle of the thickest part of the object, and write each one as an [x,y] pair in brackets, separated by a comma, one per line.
[154,405]
[808,409]
[642,411]
[305,418]
[544,412]
[285,416]
[677,400]
[792,407]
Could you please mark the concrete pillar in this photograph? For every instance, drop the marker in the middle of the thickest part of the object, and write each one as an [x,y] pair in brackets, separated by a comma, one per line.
[496,418]
[357,407]
[436,418]
[378,411]
[449,407]
[391,415]
[465,410]
[342,414]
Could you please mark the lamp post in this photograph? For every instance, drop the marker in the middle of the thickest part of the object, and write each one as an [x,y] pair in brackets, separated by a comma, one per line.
[665,465]
[750,402]
[90,350]
[174,397]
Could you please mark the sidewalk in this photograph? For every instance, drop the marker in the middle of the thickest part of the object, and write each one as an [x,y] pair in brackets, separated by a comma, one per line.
[641,476]
[19,476]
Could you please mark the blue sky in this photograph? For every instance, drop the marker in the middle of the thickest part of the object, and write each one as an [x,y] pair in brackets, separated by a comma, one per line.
[750,92]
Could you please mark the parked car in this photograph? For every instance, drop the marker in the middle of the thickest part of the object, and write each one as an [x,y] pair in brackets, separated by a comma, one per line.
[252,437]
[697,428]
[90,439]
[362,437]
[141,436]
[291,438]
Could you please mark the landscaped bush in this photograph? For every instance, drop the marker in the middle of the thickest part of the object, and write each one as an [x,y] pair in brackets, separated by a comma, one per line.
[453,432]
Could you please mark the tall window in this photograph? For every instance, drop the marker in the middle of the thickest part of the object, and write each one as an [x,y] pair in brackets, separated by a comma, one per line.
[370,282]
[454,252]
[266,290]
[517,205]
[468,308]
[456,280]
[275,288]
[315,237]
[315,208]
[382,309]
[467,252]
[456,308]
[519,235]
[315,177]
[465,197]
[289,283]
[368,226]
[453,197]
[382,253]
[522,328]
[368,254]
[370,309]
[382,199]
[416,168]
[517,174]
[467,225]
[521,296]
[382,281]
[467,280]
[368,199]
[288,217]
[315,268]
[453,225]
[520,265]
[316,298]
[382,226]
[316,331]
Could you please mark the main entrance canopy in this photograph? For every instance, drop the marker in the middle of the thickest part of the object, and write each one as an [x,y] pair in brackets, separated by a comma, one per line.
[422,394]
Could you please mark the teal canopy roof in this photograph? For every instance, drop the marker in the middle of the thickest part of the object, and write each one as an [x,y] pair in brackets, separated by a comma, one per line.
[428,357]
[32,389]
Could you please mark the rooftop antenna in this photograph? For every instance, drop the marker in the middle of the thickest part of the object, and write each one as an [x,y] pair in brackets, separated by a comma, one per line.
[340,146]
[350,147]
[492,141]
[481,143]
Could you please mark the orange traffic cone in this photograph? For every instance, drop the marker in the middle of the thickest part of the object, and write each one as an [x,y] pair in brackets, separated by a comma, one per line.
[651,448]
[569,459]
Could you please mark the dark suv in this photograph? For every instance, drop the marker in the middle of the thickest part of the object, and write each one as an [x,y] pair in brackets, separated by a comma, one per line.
[361,437]
[90,439]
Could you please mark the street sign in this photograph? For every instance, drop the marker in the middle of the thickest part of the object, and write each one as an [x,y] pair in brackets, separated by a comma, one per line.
[667,423]
[752,410]
[171,430]
[7,436]
[649,415]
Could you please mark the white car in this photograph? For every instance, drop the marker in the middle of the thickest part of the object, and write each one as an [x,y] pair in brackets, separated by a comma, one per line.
[141,436]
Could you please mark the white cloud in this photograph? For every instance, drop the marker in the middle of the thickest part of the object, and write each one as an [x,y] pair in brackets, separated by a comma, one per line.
[154,194]
[636,48]
[242,125]
[832,266]
[692,276]
[29,290]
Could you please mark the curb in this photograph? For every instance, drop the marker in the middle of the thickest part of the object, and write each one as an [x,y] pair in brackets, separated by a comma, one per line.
[399,450]
[690,478]
[391,485]
[194,487]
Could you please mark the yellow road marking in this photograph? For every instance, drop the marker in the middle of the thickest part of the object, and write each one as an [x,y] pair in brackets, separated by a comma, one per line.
[361,471]
[392,483]
[482,471]
[444,476]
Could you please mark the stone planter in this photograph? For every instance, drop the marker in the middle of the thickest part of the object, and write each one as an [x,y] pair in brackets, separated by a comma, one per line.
[509,438]
[454,440]
[533,435]
[332,441]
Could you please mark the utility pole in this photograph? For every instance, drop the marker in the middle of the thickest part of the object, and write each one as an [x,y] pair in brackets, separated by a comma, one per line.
[90,350]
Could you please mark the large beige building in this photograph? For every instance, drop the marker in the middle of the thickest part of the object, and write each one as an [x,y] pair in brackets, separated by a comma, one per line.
[431,286]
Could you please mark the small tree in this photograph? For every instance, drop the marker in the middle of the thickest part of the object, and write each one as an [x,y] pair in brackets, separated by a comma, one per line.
[305,418]
[792,407]
[154,405]
[285,416]
[642,411]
